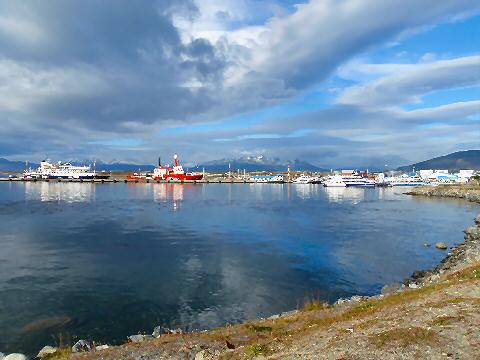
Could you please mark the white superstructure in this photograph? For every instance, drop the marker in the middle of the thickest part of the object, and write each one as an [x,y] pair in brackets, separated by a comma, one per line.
[59,170]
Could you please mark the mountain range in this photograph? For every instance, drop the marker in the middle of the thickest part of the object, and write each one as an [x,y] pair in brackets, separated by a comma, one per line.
[256,163]
[469,159]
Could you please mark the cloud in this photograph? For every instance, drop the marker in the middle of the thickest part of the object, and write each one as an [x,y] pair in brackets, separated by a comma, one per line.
[78,76]
[414,81]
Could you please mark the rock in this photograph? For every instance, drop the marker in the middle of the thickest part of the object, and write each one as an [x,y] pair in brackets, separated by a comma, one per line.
[101,347]
[391,288]
[15,357]
[472,233]
[46,350]
[340,301]
[356,298]
[200,355]
[477,220]
[2,356]
[273,317]
[139,338]
[205,355]
[441,246]
[157,332]
[419,274]
[81,346]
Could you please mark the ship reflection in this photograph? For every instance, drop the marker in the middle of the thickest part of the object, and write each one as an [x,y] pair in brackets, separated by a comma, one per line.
[169,192]
[345,194]
[61,192]
[306,191]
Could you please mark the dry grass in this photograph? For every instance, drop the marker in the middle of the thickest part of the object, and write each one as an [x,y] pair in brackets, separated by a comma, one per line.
[404,337]
[258,350]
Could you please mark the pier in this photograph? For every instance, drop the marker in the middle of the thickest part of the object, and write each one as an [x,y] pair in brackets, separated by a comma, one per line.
[122,180]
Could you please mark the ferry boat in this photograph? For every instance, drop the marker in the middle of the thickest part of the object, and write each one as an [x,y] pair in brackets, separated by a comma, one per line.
[175,173]
[349,179]
[61,170]
[334,181]
[277,179]
[303,179]
[405,180]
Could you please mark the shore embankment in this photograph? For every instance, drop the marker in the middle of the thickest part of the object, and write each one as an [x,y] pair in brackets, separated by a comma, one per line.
[435,314]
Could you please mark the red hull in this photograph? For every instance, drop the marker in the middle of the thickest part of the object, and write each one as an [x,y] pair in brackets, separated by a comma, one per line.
[136,177]
[180,177]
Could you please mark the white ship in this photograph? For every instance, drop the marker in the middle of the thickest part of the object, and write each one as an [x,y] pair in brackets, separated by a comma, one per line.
[348,180]
[334,181]
[303,179]
[60,170]
[405,180]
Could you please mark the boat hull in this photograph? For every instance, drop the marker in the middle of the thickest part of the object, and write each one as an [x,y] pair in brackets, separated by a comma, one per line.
[180,177]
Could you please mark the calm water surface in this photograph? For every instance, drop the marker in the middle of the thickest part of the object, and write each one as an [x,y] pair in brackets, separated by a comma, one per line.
[106,261]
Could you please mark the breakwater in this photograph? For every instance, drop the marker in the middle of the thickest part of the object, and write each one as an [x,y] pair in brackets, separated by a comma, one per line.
[467,192]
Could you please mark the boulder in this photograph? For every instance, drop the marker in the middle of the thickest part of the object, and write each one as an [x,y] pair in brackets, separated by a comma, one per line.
[46,350]
[418,274]
[391,288]
[441,246]
[101,347]
[139,338]
[201,355]
[15,357]
[158,331]
[477,220]
[472,233]
[81,346]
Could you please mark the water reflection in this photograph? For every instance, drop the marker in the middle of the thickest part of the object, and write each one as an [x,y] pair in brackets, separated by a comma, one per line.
[306,191]
[169,192]
[345,194]
[66,192]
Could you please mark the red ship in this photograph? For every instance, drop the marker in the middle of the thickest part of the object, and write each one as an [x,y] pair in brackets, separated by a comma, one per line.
[137,176]
[174,173]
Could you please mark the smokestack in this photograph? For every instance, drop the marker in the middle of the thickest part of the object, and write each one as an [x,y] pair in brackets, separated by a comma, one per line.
[159,161]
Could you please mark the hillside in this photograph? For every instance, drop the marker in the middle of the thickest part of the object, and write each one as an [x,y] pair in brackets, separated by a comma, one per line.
[7,165]
[469,159]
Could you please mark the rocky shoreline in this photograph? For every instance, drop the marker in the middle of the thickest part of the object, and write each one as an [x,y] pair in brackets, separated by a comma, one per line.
[165,343]
[468,251]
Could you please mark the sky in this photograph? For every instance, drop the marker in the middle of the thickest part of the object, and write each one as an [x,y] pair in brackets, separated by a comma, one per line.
[332,82]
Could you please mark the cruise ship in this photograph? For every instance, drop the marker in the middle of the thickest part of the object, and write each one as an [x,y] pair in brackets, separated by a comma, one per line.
[61,170]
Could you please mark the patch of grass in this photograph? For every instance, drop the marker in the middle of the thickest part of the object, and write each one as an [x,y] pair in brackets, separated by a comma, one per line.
[258,349]
[469,273]
[60,354]
[456,300]
[405,337]
[311,305]
[446,320]
[259,328]
[363,307]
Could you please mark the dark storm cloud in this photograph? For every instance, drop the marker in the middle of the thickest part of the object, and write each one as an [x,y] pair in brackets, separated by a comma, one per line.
[138,68]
